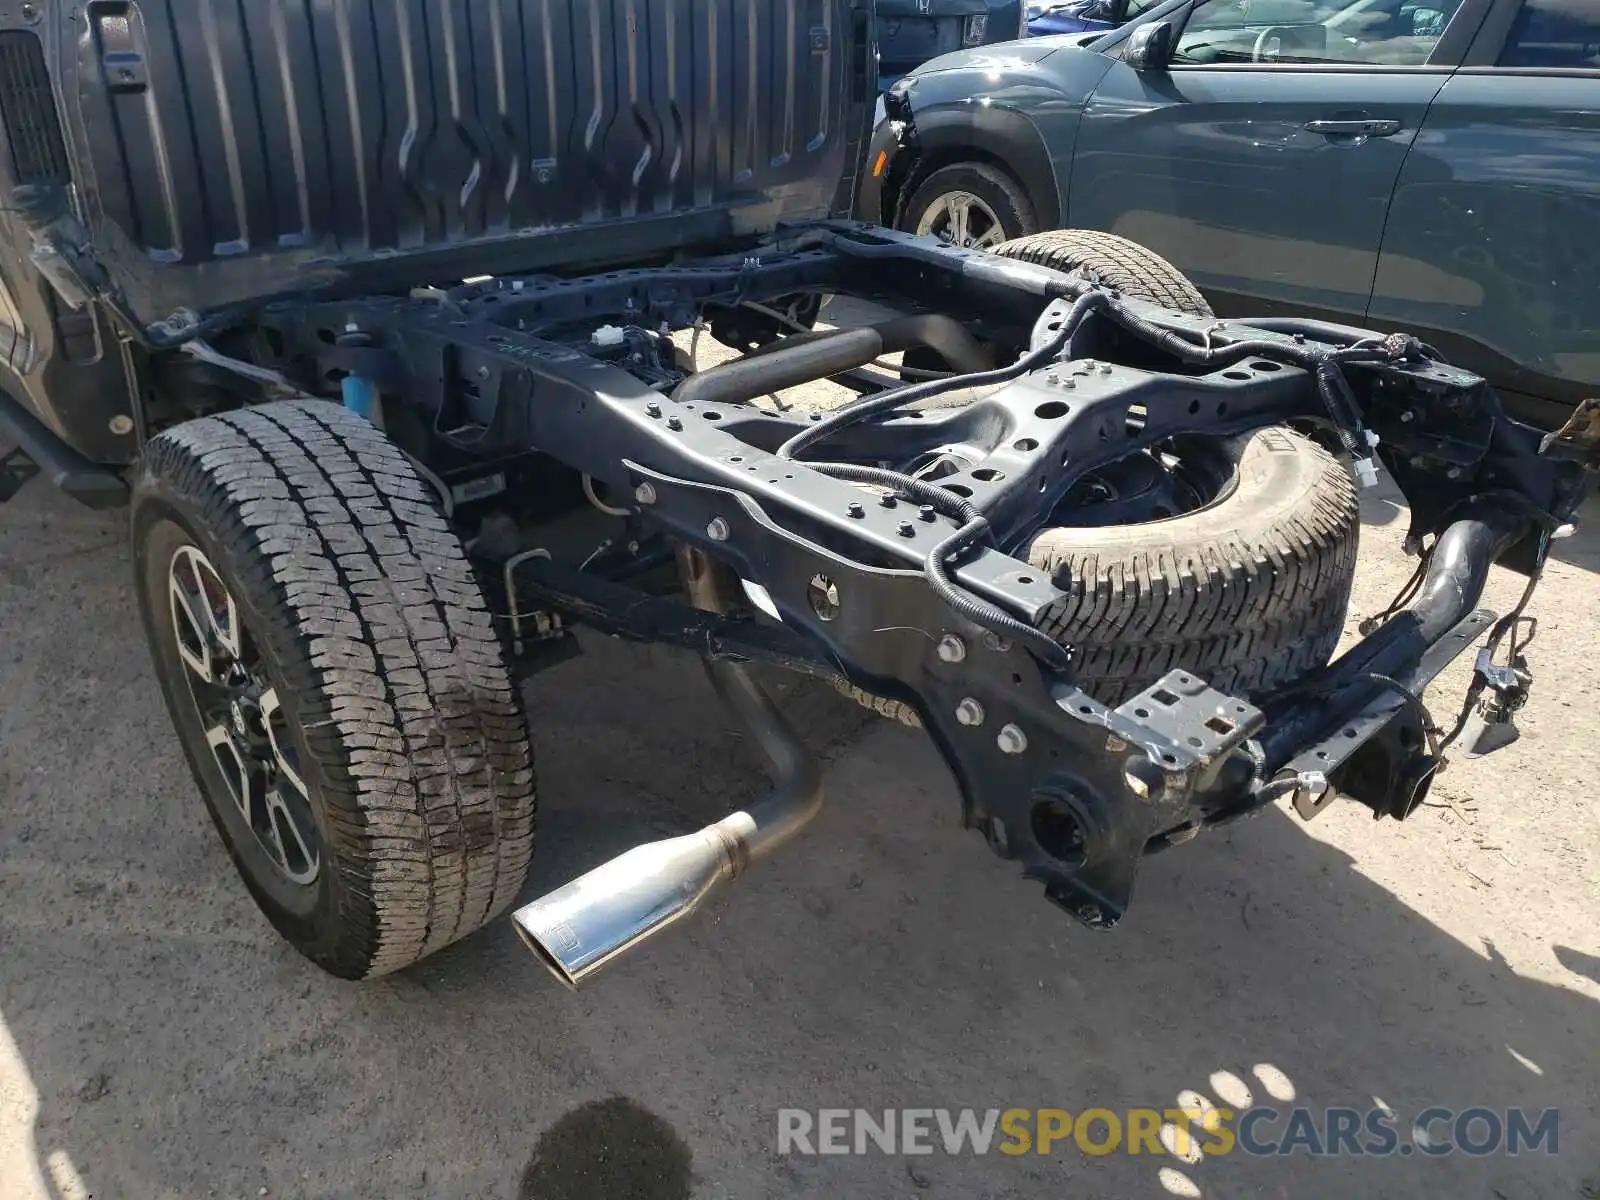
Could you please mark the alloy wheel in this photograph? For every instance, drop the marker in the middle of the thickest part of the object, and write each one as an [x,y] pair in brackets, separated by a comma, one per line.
[245,726]
[962,219]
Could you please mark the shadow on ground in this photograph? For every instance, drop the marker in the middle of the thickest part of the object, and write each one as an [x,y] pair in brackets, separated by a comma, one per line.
[1582,549]
[177,1049]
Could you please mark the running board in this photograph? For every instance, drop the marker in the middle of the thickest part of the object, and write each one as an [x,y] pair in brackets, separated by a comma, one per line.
[86,482]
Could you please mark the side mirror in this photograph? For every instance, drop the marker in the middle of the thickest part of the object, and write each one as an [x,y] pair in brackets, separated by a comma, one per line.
[1150,47]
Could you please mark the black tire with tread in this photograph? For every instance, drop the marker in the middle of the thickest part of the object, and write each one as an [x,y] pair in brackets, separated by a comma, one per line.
[372,626]
[1248,593]
[1003,194]
[1115,261]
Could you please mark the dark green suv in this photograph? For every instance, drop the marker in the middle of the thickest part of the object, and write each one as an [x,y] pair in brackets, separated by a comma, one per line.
[1433,167]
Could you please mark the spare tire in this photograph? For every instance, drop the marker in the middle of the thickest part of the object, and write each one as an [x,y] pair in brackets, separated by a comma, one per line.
[1115,262]
[1248,592]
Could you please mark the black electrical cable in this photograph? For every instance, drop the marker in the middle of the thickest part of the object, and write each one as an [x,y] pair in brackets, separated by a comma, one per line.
[1405,595]
[1506,625]
[1415,703]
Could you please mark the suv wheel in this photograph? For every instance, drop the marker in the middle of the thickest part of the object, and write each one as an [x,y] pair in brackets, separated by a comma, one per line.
[972,205]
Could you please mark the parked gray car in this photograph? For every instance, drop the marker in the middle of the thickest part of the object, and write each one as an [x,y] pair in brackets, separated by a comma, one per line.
[1433,167]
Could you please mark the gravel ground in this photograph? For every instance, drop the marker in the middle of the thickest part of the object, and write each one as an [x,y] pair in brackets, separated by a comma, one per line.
[157,1040]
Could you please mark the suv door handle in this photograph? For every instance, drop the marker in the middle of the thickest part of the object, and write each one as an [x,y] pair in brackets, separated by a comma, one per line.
[1357,128]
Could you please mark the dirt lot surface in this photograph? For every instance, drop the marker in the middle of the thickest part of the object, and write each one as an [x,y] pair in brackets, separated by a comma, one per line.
[157,1040]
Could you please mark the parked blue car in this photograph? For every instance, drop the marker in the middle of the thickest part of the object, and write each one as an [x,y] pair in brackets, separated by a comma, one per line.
[1431,166]
[1082,16]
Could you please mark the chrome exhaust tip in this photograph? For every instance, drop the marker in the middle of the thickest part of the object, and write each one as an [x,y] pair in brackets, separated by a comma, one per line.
[579,928]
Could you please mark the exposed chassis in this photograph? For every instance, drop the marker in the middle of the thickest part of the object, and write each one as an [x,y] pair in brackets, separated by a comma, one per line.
[484,372]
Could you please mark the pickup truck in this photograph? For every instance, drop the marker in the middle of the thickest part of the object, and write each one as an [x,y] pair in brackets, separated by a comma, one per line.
[383,321]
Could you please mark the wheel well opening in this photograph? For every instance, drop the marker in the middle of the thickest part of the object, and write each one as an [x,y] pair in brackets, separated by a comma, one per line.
[907,173]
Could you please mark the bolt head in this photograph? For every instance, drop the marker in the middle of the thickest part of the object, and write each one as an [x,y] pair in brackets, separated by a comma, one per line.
[886,500]
[674,424]
[907,529]
[1012,740]
[970,713]
[718,530]
[121,425]
[645,494]
[928,513]
[856,511]
[952,649]
[653,409]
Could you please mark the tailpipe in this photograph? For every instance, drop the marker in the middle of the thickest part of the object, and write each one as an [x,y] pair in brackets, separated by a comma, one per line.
[577,929]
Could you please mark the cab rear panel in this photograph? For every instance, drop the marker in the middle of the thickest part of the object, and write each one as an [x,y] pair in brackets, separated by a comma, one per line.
[219,154]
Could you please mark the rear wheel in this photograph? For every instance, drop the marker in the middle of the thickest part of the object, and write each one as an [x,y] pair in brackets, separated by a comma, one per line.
[335,680]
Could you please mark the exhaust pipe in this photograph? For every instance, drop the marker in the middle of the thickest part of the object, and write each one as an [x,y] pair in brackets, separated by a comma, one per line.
[577,929]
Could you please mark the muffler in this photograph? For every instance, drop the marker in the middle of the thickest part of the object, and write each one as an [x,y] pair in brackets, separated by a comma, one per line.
[578,929]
